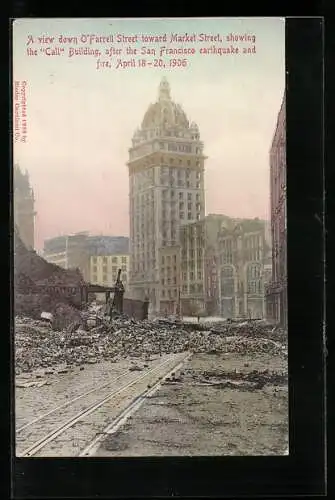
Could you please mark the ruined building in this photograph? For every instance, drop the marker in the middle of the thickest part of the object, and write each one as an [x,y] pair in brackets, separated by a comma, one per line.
[23,207]
[97,257]
[243,256]
[104,269]
[199,265]
[68,252]
[277,290]
[166,190]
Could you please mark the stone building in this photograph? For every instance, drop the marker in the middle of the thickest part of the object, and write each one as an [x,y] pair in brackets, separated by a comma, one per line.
[199,265]
[104,269]
[276,291]
[23,207]
[166,190]
[192,242]
[242,252]
[69,252]
[97,257]
[107,255]
[170,279]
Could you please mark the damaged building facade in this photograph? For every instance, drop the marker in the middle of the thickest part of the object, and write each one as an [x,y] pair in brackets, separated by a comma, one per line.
[97,257]
[69,252]
[276,291]
[40,287]
[199,265]
[243,257]
[107,255]
[23,207]
[104,269]
[166,191]
[170,279]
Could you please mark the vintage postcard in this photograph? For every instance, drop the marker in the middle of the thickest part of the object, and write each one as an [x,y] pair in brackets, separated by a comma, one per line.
[149,220]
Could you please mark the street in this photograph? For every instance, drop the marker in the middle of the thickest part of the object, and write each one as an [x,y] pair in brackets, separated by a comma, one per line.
[206,393]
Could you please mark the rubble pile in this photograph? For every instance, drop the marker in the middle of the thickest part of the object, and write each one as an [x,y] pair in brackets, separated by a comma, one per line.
[40,345]
[260,377]
[30,267]
[32,305]
[147,337]
[240,380]
[251,329]
[37,345]
[242,328]
[30,272]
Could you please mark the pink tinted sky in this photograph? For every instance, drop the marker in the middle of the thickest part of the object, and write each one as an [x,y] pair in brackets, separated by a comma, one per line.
[80,121]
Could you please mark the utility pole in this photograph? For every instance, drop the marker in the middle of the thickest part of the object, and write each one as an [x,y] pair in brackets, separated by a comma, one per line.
[179,313]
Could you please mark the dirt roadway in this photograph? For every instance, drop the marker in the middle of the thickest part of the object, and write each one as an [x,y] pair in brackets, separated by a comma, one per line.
[205,412]
[191,418]
[64,415]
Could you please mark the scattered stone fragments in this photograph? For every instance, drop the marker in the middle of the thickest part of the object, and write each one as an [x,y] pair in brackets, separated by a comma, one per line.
[39,345]
[250,380]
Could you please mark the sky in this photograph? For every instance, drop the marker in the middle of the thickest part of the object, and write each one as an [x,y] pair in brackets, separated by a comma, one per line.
[80,120]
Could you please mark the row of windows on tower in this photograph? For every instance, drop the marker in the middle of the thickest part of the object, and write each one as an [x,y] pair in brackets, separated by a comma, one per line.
[181,148]
[147,176]
[181,195]
[181,183]
[140,245]
[145,203]
[172,146]
[166,170]
[182,205]
[172,132]
[168,182]
[159,131]
[182,215]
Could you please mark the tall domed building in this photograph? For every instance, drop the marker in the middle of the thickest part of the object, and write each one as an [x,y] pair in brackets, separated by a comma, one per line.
[166,190]
[23,205]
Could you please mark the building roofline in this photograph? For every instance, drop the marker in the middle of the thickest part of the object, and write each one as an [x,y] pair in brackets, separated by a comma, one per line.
[281,111]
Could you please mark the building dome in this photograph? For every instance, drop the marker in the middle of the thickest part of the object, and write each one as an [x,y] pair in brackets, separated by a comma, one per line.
[165,113]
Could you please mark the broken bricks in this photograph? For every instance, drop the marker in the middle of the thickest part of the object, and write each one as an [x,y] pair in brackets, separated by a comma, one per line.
[36,345]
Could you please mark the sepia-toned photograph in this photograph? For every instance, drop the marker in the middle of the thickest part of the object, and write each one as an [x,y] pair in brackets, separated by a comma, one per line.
[149,237]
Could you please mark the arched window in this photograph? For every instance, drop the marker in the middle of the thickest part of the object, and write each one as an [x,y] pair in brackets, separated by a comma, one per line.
[227,281]
[254,279]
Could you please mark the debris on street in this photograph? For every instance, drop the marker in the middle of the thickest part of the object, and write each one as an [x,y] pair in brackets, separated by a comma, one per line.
[40,345]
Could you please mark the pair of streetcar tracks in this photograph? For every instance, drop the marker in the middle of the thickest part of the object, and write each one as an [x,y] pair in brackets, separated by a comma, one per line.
[71,401]
[51,436]
[126,413]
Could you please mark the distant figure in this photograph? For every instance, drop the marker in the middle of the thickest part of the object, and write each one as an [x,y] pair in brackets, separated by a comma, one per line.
[198,318]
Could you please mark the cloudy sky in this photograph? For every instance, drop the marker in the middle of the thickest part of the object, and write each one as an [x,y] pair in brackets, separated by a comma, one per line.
[80,120]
